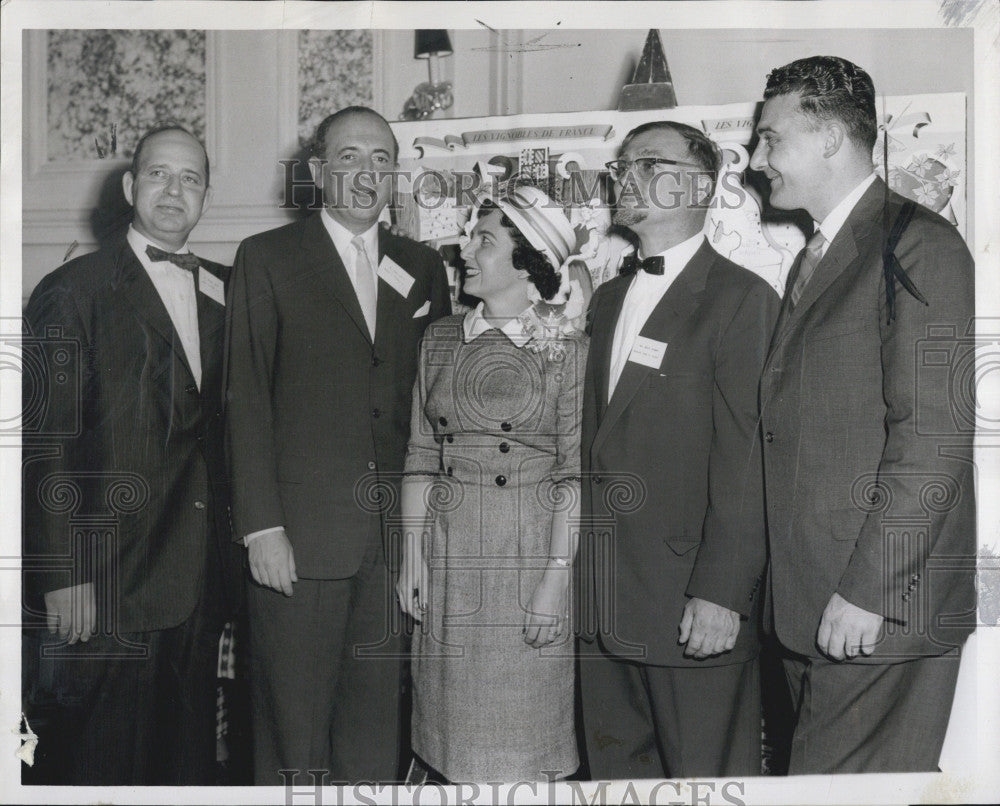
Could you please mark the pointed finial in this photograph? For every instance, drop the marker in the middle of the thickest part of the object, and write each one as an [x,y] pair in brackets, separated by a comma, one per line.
[651,87]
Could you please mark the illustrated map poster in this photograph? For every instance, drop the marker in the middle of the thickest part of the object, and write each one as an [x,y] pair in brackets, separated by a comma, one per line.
[565,154]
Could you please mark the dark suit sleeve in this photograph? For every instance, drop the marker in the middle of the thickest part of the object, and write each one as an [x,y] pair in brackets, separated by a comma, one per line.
[732,553]
[252,331]
[926,462]
[440,294]
[54,322]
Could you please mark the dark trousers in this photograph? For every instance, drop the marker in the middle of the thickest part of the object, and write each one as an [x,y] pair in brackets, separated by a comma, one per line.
[643,721]
[854,717]
[325,678]
[133,709]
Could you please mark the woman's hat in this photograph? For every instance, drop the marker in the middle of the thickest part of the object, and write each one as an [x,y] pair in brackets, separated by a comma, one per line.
[541,221]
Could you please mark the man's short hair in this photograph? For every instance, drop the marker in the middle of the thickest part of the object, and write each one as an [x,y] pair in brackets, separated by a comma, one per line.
[831,88]
[317,147]
[159,129]
[700,147]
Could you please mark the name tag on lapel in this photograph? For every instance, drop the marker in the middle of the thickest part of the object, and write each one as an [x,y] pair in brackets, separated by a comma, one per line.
[396,276]
[648,352]
[211,286]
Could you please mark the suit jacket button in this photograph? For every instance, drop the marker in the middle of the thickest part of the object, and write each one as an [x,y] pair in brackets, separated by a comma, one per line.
[906,597]
[191,389]
[450,438]
[199,504]
[504,447]
[376,413]
[449,471]
[442,421]
[597,479]
[501,481]
[505,426]
[376,360]
[769,437]
[371,465]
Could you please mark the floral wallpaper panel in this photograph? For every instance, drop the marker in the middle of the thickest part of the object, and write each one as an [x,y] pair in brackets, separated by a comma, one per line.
[335,70]
[107,87]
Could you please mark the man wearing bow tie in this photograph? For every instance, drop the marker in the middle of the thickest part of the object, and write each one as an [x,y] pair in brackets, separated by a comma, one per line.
[128,556]
[326,318]
[674,545]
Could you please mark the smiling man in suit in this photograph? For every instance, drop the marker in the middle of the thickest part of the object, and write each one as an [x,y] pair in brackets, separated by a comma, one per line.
[869,475]
[327,314]
[670,687]
[125,479]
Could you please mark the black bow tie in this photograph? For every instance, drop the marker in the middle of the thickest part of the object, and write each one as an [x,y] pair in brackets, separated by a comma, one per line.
[187,260]
[650,265]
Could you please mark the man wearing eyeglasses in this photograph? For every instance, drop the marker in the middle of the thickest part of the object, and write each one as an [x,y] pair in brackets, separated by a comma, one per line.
[669,571]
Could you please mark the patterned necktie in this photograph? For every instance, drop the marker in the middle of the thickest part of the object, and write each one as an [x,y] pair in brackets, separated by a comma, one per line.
[365,283]
[650,265]
[811,256]
[187,260]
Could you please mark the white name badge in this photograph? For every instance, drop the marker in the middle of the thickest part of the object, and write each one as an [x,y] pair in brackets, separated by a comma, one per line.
[211,286]
[396,276]
[648,352]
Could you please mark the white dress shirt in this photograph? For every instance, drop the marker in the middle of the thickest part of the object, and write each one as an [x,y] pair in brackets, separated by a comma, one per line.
[475,324]
[342,237]
[643,295]
[836,218]
[177,291]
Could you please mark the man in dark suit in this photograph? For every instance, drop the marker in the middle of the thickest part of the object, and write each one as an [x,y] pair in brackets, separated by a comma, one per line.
[674,544]
[327,314]
[868,465]
[126,506]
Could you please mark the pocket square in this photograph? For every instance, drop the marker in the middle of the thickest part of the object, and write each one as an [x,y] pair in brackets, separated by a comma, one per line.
[423,310]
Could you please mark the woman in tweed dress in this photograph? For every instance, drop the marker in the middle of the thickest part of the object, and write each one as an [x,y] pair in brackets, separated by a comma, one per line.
[491,487]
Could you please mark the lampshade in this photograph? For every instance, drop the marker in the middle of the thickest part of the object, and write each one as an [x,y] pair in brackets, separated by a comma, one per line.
[432,43]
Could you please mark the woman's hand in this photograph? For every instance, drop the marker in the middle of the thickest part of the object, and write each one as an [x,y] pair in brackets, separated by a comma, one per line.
[548,611]
[412,588]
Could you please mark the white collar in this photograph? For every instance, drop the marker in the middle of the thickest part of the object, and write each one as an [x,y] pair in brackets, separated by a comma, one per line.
[342,237]
[676,257]
[835,219]
[474,325]
[139,242]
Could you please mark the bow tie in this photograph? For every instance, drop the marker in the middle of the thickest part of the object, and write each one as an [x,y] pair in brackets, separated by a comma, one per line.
[187,261]
[650,265]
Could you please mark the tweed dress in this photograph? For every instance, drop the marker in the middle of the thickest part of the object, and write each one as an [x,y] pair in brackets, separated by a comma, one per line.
[496,425]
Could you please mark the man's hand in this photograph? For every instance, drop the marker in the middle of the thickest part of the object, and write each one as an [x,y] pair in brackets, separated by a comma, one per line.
[272,562]
[72,612]
[846,630]
[707,629]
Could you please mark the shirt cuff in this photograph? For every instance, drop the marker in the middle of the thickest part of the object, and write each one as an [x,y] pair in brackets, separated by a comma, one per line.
[261,533]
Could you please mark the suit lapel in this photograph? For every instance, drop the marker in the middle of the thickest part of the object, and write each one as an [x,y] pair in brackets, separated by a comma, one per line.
[211,331]
[602,339]
[679,303]
[841,253]
[391,308]
[324,260]
[132,281]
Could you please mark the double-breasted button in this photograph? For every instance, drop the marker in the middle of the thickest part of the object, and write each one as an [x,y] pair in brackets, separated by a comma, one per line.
[504,447]
[505,426]
[442,421]
[199,504]
[371,465]
[376,413]
[769,437]
[501,481]
[450,438]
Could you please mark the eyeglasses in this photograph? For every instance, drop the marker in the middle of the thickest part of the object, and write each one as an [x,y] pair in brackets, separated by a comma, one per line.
[645,167]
